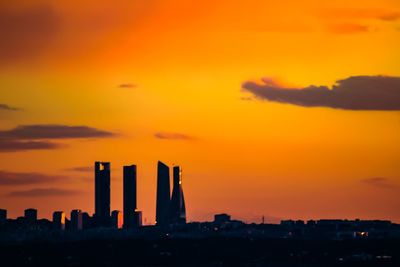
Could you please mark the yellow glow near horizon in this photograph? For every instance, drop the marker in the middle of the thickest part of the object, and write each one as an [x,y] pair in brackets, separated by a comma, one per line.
[188,62]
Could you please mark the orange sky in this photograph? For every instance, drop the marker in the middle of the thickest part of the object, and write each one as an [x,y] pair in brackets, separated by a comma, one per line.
[184,65]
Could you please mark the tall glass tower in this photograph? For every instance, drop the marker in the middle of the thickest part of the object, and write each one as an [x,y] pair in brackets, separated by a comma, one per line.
[130,196]
[102,193]
[163,194]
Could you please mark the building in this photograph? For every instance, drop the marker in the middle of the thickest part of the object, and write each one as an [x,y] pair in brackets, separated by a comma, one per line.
[59,220]
[222,218]
[30,215]
[76,220]
[116,219]
[130,197]
[102,194]
[163,194]
[3,216]
[177,206]
[87,221]
[138,218]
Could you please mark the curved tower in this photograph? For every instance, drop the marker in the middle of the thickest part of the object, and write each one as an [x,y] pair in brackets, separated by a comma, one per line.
[177,208]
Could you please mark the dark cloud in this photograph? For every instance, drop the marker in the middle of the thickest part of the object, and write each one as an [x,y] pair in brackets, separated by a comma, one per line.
[38,137]
[7,107]
[127,85]
[81,169]
[172,136]
[45,192]
[27,178]
[14,146]
[380,182]
[353,93]
[26,32]
[32,132]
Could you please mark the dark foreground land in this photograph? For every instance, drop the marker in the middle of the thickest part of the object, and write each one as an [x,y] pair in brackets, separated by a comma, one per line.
[218,251]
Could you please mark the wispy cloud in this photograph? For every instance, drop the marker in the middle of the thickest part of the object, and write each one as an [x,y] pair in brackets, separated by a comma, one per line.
[7,107]
[127,85]
[381,182]
[81,169]
[52,131]
[360,14]
[173,136]
[27,178]
[348,28]
[39,137]
[246,98]
[354,93]
[44,192]
[14,146]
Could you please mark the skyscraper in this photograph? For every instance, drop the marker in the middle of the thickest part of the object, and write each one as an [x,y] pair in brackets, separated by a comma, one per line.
[163,194]
[102,194]
[177,206]
[130,196]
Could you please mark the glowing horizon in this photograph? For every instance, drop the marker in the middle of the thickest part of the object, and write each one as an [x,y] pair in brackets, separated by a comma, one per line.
[229,91]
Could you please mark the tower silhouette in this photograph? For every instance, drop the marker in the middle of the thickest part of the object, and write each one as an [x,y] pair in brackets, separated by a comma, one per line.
[177,206]
[130,197]
[163,194]
[102,194]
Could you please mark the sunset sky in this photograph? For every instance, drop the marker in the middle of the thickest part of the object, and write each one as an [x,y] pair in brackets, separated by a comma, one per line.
[281,108]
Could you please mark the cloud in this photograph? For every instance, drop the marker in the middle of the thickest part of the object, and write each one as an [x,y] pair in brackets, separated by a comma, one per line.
[348,28]
[38,137]
[360,13]
[52,131]
[42,32]
[390,16]
[44,192]
[7,107]
[247,98]
[14,146]
[173,136]
[27,178]
[354,93]
[81,169]
[127,85]
[26,31]
[381,182]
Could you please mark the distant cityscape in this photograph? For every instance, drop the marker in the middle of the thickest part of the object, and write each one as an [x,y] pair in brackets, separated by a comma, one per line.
[170,208]
[171,216]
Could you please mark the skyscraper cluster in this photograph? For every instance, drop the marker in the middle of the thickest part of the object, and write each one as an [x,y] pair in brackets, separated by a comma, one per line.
[130,217]
[170,208]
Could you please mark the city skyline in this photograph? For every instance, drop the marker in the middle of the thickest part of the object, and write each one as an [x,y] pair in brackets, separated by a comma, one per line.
[170,210]
[285,109]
